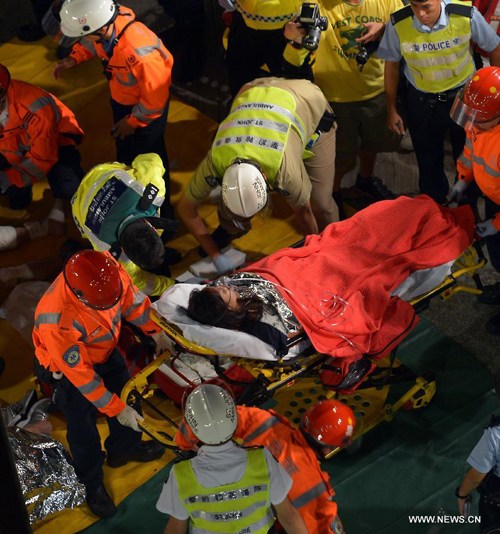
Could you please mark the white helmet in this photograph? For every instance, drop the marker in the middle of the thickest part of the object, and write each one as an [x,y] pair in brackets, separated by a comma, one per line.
[244,189]
[211,414]
[83,17]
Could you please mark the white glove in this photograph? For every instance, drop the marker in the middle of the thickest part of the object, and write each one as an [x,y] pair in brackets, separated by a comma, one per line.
[129,417]
[227,5]
[486,228]
[457,193]
[223,264]
[163,343]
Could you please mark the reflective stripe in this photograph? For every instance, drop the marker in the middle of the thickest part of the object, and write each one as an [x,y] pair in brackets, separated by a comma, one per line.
[443,74]
[104,400]
[150,282]
[228,516]
[139,298]
[145,50]
[407,47]
[468,142]
[259,18]
[142,319]
[270,125]
[47,318]
[80,328]
[266,425]
[466,162]
[490,170]
[277,109]
[309,495]
[105,337]
[250,140]
[143,114]
[91,386]
[127,82]
[43,101]
[32,168]
[133,184]
[227,495]
[266,521]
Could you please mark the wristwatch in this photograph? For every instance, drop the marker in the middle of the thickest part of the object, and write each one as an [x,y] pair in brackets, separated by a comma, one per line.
[457,494]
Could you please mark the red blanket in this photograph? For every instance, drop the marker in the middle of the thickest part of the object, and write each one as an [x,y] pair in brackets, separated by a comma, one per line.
[362,260]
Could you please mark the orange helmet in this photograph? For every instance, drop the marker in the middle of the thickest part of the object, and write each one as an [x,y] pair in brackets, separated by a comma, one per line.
[4,79]
[94,278]
[330,423]
[479,100]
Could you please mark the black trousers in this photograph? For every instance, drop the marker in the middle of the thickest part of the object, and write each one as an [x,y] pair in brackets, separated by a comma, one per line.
[490,514]
[248,50]
[145,140]
[81,417]
[428,122]
[64,179]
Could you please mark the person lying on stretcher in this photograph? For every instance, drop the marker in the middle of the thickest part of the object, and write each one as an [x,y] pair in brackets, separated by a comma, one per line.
[344,286]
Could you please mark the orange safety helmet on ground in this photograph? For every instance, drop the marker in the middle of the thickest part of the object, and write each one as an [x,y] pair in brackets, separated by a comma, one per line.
[94,278]
[4,80]
[479,101]
[330,423]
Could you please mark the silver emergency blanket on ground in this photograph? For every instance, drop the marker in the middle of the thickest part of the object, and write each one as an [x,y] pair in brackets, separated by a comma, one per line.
[266,292]
[48,482]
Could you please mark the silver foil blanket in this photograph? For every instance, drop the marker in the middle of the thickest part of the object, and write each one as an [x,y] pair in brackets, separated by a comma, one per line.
[266,291]
[48,482]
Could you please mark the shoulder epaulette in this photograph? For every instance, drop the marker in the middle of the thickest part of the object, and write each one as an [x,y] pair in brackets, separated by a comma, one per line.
[456,9]
[494,421]
[401,14]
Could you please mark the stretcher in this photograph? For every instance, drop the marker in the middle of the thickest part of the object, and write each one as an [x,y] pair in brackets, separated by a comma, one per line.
[291,379]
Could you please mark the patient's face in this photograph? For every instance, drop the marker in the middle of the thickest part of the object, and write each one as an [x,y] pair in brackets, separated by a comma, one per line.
[228,295]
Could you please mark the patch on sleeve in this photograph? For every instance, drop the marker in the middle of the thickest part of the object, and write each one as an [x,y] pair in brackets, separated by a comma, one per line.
[72,356]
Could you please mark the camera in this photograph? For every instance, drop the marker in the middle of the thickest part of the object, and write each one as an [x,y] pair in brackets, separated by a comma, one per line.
[365,52]
[313,24]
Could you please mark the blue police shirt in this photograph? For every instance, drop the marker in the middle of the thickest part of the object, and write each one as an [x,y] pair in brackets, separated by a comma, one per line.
[482,34]
[486,454]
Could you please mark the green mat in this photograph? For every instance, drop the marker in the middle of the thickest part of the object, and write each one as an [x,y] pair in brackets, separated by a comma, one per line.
[409,466]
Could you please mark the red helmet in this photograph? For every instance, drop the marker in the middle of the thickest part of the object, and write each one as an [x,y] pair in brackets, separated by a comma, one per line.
[4,79]
[330,423]
[94,278]
[479,100]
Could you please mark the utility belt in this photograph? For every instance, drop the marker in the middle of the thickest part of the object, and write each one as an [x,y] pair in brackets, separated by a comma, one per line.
[326,122]
[443,96]
[325,125]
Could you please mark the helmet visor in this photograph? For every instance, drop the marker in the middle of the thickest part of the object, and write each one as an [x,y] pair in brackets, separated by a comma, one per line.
[51,24]
[467,116]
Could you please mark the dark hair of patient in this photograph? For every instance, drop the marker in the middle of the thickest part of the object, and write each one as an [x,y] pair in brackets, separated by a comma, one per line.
[142,244]
[207,307]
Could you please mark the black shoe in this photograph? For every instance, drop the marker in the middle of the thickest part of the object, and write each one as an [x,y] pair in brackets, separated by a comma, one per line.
[172,256]
[100,503]
[222,239]
[490,294]
[30,33]
[146,452]
[493,325]
[374,187]
[19,197]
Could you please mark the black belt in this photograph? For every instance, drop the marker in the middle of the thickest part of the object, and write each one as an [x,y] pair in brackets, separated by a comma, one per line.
[443,96]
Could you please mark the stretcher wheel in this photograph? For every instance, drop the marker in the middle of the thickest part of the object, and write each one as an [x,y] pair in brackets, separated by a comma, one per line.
[423,396]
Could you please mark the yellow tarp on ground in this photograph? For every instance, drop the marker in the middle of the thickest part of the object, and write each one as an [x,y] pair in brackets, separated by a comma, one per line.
[189,135]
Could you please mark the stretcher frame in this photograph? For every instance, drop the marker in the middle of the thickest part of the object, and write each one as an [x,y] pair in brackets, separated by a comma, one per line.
[270,377]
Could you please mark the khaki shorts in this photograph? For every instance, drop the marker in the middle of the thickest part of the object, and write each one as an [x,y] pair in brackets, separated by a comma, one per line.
[361,126]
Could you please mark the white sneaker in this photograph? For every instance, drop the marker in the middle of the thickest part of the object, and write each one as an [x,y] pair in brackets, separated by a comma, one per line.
[37,413]
[406,142]
[17,411]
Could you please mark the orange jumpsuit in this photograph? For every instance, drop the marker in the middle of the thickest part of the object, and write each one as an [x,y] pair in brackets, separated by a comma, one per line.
[38,125]
[480,161]
[311,493]
[71,338]
[138,68]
